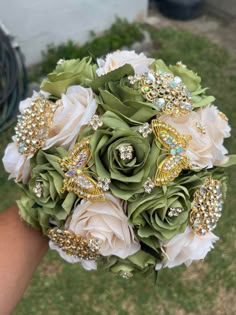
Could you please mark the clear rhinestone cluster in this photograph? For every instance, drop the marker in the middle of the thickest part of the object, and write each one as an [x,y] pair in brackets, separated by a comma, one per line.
[145,130]
[104,183]
[95,122]
[38,189]
[206,207]
[75,245]
[126,152]
[126,274]
[148,185]
[174,212]
[33,126]
[166,91]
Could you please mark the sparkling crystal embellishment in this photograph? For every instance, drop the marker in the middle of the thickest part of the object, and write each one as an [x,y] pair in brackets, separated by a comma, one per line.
[104,183]
[77,179]
[174,212]
[38,189]
[176,159]
[75,245]
[166,91]
[126,152]
[148,185]
[95,122]
[207,206]
[126,274]
[145,130]
[33,126]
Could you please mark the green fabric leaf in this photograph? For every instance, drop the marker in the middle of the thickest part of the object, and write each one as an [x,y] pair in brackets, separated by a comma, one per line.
[114,75]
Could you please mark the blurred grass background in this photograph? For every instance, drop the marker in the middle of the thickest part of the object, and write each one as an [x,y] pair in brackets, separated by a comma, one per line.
[206,288]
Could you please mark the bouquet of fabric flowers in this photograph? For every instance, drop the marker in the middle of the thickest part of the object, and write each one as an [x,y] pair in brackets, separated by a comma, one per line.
[121,163]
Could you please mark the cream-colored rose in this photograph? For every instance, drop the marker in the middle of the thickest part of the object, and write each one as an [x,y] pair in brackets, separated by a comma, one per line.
[75,109]
[106,222]
[117,59]
[86,264]
[16,164]
[208,128]
[186,247]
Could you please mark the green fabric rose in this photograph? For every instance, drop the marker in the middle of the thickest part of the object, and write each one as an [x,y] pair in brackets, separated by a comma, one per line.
[115,94]
[127,175]
[70,72]
[43,200]
[150,213]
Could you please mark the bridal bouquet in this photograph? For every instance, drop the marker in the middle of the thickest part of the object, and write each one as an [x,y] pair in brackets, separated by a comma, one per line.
[121,163]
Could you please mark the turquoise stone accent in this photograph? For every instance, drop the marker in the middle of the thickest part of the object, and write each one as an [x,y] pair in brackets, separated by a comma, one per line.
[172,151]
[173,84]
[179,150]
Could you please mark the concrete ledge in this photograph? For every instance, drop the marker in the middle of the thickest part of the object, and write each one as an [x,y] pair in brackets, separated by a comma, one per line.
[35,24]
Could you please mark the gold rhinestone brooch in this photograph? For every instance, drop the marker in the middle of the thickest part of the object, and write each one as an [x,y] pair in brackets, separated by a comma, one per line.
[206,207]
[33,126]
[176,145]
[166,91]
[77,178]
[75,245]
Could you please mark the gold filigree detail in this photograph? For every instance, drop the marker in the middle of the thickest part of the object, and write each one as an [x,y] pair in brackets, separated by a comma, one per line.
[75,245]
[166,91]
[206,207]
[223,116]
[77,179]
[176,159]
[33,126]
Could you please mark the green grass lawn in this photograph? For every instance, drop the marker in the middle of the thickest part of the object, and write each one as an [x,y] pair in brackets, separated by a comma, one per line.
[206,288]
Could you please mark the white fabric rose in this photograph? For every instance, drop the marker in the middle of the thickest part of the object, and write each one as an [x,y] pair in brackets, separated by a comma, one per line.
[16,164]
[106,222]
[186,247]
[75,109]
[86,264]
[117,59]
[208,128]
